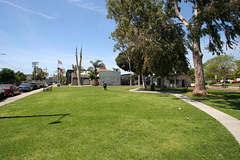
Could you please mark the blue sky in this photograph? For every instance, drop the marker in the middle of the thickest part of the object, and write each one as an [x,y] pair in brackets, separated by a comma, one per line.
[46,31]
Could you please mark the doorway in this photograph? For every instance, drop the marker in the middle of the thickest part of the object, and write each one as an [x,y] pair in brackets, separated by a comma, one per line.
[183,83]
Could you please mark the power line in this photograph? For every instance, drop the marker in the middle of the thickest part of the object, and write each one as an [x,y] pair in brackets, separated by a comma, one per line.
[10,64]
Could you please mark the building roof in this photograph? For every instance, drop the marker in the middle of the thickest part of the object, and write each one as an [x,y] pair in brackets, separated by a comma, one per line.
[103,69]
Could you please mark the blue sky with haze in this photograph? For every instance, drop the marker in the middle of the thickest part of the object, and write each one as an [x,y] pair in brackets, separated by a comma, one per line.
[46,31]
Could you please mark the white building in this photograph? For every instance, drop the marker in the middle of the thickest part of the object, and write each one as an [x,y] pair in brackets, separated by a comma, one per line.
[183,80]
[112,78]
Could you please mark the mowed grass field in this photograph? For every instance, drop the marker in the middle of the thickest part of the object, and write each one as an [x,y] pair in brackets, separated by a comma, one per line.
[227,101]
[90,123]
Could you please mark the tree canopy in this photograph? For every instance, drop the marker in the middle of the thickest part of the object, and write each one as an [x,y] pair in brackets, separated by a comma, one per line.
[40,74]
[209,18]
[148,37]
[9,76]
[97,64]
[220,65]
[122,62]
[237,69]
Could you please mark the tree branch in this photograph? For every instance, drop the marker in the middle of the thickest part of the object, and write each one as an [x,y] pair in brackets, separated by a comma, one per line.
[179,14]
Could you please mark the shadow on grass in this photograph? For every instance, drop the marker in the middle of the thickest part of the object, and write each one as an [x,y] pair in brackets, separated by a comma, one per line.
[221,99]
[33,116]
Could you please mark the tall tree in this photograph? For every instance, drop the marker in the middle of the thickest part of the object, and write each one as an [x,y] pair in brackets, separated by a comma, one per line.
[20,76]
[40,74]
[237,69]
[74,67]
[90,69]
[148,35]
[7,76]
[122,62]
[210,17]
[221,64]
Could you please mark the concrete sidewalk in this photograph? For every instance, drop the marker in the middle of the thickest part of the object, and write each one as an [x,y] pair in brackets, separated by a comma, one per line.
[231,123]
[14,98]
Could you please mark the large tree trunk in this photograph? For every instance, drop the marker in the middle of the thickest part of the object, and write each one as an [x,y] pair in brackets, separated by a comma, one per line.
[199,72]
[224,81]
[196,50]
[139,81]
[130,69]
[144,82]
[162,84]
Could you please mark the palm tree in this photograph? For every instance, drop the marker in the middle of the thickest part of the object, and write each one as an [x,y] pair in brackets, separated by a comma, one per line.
[96,65]
[74,67]
[90,69]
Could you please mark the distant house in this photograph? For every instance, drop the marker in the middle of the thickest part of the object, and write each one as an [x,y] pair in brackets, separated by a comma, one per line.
[183,80]
[71,77]
[112,78]
[125,79]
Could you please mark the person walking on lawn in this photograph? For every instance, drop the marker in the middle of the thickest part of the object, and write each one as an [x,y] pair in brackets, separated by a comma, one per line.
[104,85]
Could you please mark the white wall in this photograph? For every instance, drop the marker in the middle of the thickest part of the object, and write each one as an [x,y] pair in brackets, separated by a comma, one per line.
[111,78]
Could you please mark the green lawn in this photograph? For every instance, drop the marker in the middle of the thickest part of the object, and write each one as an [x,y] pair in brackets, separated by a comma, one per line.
[224,100]
[90,123]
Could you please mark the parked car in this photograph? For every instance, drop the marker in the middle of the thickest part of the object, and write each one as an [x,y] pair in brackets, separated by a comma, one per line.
[25,87]
[10,89]
[34,85]
[50,83]
[2,93]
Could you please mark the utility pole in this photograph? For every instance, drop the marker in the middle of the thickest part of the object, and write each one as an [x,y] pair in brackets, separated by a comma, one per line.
[80,67]
[35,65]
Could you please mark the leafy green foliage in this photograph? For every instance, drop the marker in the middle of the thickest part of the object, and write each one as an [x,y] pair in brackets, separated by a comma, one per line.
[148,37]
[92,75]
[21,76]
[96,65]
[40,74]
[191,73]
[209,18]
[9,76]
[220,65]
[74,67]
[237,70]
[122,62]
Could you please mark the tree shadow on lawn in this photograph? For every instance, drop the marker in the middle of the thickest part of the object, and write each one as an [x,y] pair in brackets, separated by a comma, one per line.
[227,100]
[32,116]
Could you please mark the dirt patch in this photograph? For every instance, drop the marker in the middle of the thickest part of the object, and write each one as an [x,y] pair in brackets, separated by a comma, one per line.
[192,94]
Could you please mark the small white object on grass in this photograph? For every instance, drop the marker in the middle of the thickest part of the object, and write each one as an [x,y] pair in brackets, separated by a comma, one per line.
[179,108]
